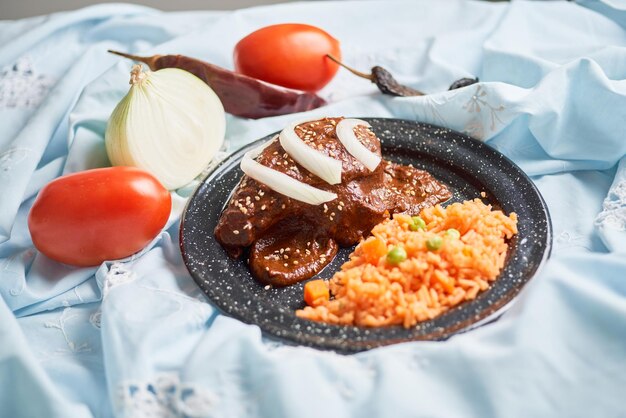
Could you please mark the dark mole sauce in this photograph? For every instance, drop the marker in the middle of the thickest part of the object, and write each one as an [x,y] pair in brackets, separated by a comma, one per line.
[291,241]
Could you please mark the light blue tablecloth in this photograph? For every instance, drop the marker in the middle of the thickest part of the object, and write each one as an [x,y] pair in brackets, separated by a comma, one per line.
[137,339]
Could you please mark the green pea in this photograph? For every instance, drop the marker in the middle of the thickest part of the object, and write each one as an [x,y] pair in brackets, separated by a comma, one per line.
[453,233]
[396,255]
[418,223]
[434,243]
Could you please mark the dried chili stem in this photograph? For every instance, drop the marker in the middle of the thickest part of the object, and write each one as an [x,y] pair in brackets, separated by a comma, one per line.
[150,61]
[383,80]
[352,70]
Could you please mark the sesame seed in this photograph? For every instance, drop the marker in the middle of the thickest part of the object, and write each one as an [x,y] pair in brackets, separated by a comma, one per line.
[263,207]
[257,198]
[236,232]
[283,206]
[282,250]
[295,262]
[285,264]
[332,214]
[286,257]
[267,286]
[267,269]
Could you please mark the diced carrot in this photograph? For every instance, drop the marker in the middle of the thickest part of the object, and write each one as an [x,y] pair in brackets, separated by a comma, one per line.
[316,292]
[447,283]
[373,248]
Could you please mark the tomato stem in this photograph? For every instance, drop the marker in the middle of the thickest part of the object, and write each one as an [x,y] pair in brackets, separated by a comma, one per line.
[352,70]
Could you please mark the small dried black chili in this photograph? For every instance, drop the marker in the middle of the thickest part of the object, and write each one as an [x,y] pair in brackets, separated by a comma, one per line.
[463,82]
[383,80]
[241,95]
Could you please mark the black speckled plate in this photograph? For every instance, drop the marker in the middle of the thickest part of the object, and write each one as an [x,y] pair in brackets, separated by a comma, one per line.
[467,166]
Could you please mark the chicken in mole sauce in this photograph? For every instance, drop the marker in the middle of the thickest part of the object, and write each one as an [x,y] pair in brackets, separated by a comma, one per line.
[292,241]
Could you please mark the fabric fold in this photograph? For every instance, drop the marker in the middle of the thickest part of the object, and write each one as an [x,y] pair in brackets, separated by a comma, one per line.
[137,337]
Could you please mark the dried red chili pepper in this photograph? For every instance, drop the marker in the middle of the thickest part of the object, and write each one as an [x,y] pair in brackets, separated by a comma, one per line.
[383,80]
[241,95]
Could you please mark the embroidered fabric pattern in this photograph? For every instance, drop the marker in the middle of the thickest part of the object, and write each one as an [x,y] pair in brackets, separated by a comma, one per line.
[10,158]
[60,324]
[476,104]
[164,397]
[567,240]
[614,208]
[21,86]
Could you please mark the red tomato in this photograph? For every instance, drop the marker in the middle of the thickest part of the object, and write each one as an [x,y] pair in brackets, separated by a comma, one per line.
[103,214]
[290,55]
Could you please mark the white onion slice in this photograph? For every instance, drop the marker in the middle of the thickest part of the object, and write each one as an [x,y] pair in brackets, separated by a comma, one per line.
[281,182]
[345,133]
[323,166]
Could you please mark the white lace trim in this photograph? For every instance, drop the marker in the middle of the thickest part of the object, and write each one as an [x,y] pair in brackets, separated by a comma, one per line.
[164,397]
[614,208]
[118,274]
[21,86]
